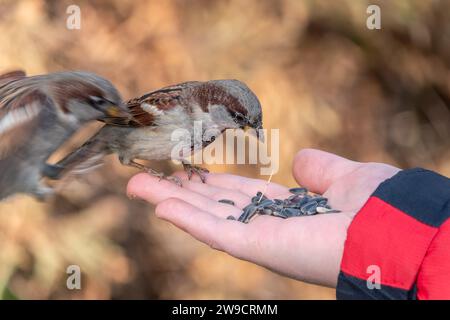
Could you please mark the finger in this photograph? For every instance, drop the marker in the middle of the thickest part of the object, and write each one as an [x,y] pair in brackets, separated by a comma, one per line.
[154,190]
[316,170]
[216,193]
[247,186]
[216,232]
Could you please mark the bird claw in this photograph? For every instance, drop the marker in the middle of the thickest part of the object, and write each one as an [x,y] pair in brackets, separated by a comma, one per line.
[162,176]
[190,170]
[174,179]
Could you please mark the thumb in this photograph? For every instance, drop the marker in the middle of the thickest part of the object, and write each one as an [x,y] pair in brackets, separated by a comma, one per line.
[316,170]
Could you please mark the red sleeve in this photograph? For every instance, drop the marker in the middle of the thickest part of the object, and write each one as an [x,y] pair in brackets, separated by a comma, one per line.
[433,281]
[398,245]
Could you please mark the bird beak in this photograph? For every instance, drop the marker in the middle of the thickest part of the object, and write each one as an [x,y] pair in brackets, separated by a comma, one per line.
[116,112]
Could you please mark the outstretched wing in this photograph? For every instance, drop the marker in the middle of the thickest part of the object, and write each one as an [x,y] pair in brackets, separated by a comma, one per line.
[19,118]
[145,110]
[11,76]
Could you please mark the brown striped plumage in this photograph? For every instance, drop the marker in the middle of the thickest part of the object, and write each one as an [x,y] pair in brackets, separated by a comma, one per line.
[10,76]
[186,93]
[212,94]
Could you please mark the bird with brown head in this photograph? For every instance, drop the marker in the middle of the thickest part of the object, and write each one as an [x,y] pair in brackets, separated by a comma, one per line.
[217,104]
[38,114]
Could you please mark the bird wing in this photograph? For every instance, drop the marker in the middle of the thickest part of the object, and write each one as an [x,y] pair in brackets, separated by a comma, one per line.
[19,118]
[147,109]
[11,76]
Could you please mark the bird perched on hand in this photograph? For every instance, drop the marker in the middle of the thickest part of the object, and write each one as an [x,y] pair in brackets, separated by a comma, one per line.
[147,135]
[38,114]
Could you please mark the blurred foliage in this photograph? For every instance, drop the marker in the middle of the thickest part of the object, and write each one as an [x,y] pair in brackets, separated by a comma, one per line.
[322,77]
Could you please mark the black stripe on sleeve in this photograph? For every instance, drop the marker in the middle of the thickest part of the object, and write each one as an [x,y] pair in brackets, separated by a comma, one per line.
[420,193]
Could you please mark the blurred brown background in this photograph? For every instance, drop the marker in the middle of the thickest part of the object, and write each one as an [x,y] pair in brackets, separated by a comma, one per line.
[323,78]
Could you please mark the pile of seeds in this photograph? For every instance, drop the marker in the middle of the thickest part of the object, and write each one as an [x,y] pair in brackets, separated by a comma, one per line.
[301,203]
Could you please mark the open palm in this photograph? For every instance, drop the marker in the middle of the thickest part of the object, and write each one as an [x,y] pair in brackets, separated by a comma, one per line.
[307,248]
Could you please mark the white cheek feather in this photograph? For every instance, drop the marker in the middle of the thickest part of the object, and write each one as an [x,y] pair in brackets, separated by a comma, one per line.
[18,116]
[220,118]
[70,119]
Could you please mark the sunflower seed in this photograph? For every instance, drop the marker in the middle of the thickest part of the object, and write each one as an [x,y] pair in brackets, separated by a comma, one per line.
[258,198]
[326,210]
[298,190]
[226,201]
[265,203]
[251,205]
[319,199]
[255,199]
[290,212]
[248,214]
[294,197]
[309,208]
[279,214]
[300,203]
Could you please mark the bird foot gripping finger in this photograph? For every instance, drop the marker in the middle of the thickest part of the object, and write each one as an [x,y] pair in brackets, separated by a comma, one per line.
[154,173]
[174,179]
[162,176]
[190,170]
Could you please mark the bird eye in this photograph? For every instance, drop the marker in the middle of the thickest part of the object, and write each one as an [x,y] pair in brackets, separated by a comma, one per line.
[239,117]
[97,101]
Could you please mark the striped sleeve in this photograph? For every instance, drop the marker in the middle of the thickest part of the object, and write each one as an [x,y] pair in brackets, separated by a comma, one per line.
[398,245]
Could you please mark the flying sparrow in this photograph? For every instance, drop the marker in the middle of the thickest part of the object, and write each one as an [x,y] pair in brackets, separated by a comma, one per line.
[147,135]
[38,114]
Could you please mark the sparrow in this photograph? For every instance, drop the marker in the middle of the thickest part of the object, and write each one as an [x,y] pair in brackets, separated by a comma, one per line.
[217,104]
[38,114]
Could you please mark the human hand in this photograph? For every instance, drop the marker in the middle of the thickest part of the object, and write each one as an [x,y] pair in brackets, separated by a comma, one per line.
[307,248]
